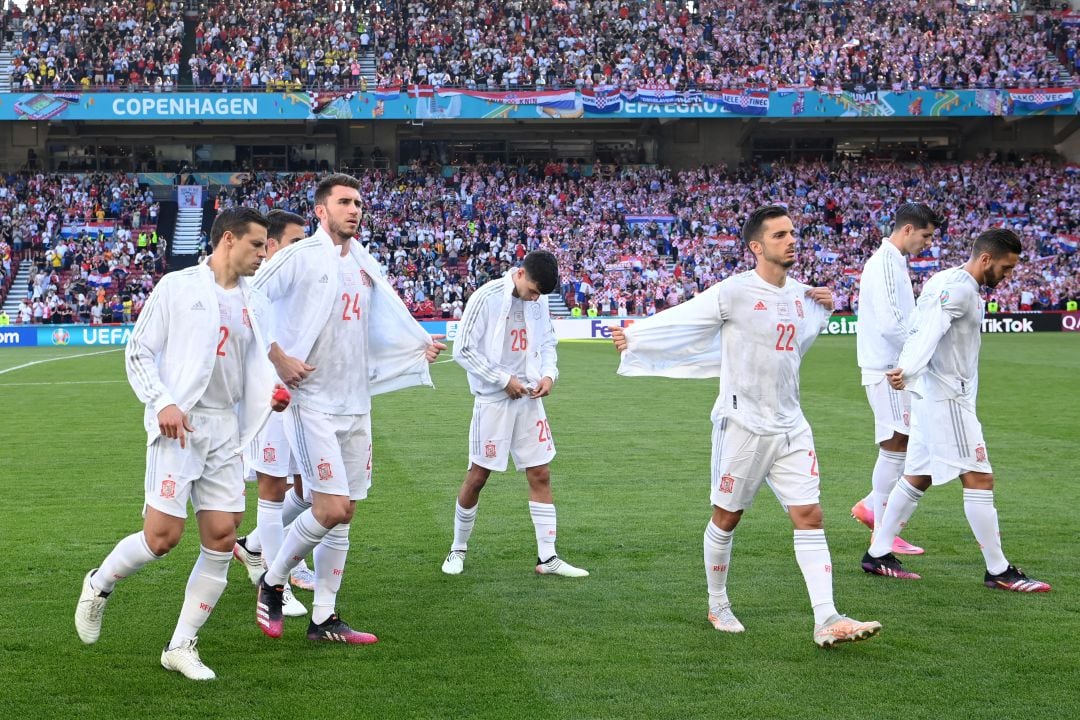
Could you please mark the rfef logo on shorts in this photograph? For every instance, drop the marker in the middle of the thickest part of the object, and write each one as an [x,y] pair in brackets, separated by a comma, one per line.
[489,449]
[326,472]
[168,488]
[980,453]
[269,455]
[727,484]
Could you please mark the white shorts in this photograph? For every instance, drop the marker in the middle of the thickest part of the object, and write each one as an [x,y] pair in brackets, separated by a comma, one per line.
[509,427]
[208,471]
[892,410]
[741,461]
[269,452]
[946,441]
[333,452]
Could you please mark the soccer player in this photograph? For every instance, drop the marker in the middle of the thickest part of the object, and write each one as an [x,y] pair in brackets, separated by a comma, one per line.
[507,345]
[886,300]
[752,331]
[940,365]
[196,354]
[269,458]
[342,335]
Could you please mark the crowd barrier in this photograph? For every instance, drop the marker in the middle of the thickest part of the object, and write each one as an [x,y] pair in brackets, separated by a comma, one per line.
[598,328]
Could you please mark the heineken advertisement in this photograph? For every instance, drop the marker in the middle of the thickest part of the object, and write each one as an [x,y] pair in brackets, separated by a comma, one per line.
[425,102]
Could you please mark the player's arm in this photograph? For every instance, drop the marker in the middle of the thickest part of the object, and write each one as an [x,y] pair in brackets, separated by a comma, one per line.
[929,323]
[470,343]
[884,296]
[147,342]
[548,358]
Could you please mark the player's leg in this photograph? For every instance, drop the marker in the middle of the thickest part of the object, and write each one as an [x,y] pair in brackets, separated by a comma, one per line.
[892,411]
[533,449]
[736,474]
[332,552]
[295,503]
[490,432]
[206,583]
[983,518]
[165,506]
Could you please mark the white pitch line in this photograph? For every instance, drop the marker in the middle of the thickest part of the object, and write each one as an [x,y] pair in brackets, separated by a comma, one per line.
[64,357]
[67,382]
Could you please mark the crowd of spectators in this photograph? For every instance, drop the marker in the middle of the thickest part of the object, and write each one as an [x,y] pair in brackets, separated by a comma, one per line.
[91,242]
[319,45]
[634,239]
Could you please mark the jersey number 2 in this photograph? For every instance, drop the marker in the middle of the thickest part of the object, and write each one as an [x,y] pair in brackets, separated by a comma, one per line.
[221,343]
[788,330]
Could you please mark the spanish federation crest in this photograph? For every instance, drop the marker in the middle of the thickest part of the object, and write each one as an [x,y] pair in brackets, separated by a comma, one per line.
[326,472]
[489,449]
[269,455]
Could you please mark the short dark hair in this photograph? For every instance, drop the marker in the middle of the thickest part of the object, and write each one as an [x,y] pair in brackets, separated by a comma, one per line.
[752,227]
[996,242]
[279,219]
[917,214]
[542,267]
[235,220]
[328,183]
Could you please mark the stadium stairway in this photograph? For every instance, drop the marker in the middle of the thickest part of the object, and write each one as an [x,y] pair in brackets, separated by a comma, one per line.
[189,222]
[557,305]
[367,67]
[18,290]
[5,69]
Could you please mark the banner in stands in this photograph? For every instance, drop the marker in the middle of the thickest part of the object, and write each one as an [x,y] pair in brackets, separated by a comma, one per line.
[1070,322]
[424,102]
[189,196]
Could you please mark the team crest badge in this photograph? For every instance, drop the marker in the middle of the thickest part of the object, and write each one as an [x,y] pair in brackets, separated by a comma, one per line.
[326,472]
[365,279]
[246,320]
[168,488]
[798,308]
[269,455]
[944,297]
[907,419]
[980,454]
[489,449]
[727,484]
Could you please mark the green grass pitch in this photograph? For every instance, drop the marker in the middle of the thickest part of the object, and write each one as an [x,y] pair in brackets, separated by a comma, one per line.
[631,486]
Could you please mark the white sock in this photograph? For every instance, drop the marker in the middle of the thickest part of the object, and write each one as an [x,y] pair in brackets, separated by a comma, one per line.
[304,534]
[717,560]
[330,555]
[126,558]
[205,585]
[292,508]
[543,517]
[812,554]
[268,517]
[903,500]
[983,519]
[464,519]
[253,540]
[887,470]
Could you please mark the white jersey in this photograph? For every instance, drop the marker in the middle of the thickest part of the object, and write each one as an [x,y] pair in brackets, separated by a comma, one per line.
[941,355]
[339,383]
[765,332]
[886,301]
[226,384]
[516,342]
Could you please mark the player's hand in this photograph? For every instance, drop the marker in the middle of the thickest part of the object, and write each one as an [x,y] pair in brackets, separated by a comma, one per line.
[543,389]
[618,336]
[174,424]
[436,347]
[291,370]
[280,398]
[515,388]
[822,296]
[895,378]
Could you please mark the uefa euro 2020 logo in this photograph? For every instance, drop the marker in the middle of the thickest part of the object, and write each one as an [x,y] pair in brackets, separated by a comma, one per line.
[60,336]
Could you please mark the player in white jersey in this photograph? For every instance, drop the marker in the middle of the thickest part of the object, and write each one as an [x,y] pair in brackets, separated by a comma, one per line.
[507,345]
[753,330]
[886,300]
[940,365]
[269,459]
[196,356]
[342,335]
